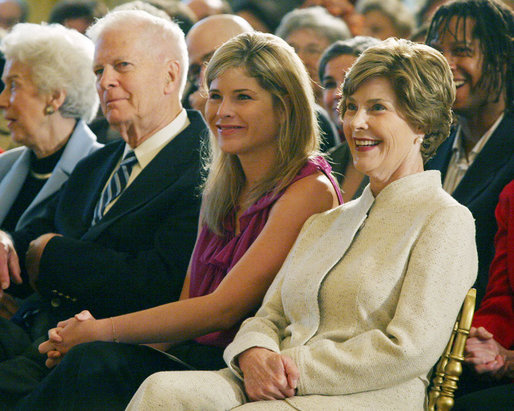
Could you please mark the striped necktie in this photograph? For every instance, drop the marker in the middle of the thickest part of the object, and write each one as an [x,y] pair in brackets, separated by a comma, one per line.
[116,185]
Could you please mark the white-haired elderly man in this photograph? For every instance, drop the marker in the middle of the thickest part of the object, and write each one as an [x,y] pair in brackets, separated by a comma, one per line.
[119,236]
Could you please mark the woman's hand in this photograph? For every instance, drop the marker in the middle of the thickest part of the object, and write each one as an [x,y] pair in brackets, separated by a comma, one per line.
[268,375]
[486,355]
[76,330]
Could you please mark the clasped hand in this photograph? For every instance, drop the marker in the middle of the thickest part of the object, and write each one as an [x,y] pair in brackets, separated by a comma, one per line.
[486,355]
[76,330]
[268,375]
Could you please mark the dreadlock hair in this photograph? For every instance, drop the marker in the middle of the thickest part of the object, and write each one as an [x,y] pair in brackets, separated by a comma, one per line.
[494,27]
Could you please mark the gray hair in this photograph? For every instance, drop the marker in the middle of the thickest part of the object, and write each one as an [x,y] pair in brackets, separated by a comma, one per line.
[144,6]
[401,18]
[59,59]
[314,18]
[163,31]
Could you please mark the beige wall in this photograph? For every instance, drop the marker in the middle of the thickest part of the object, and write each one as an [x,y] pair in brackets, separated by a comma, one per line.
[40,9]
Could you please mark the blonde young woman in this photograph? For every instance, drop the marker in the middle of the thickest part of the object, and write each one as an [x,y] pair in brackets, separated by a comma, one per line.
[265,179]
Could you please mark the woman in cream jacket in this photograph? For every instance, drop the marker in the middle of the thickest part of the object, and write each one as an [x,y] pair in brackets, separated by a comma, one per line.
[366,300]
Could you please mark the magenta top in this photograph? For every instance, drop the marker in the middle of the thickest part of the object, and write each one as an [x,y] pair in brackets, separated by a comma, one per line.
[214,256]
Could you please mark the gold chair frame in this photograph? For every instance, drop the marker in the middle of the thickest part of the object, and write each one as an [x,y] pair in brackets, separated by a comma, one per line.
[449,367]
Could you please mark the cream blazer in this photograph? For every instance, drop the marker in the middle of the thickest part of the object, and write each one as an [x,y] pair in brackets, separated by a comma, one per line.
[367,298]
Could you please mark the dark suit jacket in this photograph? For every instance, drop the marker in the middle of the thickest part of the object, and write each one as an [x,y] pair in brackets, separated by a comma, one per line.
[480,188]
[137,255]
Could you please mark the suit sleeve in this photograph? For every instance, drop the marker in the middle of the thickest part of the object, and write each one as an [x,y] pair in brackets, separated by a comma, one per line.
[127,270]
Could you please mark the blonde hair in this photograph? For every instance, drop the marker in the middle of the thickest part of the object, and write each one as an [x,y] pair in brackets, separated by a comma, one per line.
[278,70]
[422,81]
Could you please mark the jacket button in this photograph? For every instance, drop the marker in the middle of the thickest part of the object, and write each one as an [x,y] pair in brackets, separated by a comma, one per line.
[55,302]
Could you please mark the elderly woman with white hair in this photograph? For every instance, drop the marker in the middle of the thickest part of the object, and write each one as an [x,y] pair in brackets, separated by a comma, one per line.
[48,98]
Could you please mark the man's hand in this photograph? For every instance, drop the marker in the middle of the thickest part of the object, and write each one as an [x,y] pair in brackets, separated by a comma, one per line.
[268,375]
[33,256]
[9,263]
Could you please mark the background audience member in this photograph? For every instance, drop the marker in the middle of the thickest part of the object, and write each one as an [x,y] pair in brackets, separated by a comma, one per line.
[77,14]
[49,97]
[94,248]
[426,10]
[310,31]
[334,64]
[206,8]
[202,41]
[263,184]
[343,9]
[477,161]
[386,18]
[177,11]
[263,15]
[345,325]
[490,346]
[13,12]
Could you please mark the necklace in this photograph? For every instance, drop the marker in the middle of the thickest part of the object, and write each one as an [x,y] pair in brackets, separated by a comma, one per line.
[40,176]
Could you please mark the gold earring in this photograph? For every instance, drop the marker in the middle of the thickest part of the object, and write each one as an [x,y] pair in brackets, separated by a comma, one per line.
[49,110]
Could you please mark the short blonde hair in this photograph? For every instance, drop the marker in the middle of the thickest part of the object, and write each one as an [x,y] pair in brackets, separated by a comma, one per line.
[278,70]
[422,81]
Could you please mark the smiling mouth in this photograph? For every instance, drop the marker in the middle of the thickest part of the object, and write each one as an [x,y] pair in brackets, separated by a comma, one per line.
[366,143]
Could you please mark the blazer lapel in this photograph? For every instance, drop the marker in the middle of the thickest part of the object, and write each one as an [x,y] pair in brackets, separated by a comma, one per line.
[319,259]
[162,172]
[12,182]
[497,151]
[81,142]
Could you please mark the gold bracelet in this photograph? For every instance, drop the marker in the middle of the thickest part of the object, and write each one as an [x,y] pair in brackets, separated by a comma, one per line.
[114,336]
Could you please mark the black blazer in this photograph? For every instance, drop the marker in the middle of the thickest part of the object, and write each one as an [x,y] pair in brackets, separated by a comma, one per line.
[136,257]
[480,188]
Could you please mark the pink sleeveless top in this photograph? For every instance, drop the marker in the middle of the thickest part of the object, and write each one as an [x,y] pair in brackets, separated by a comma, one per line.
[214,256]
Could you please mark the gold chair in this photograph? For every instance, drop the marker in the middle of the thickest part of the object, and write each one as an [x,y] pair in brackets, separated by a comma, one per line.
[449,367]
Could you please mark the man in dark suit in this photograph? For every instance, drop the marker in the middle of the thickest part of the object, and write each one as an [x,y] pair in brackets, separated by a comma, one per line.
[477,161]
[119,236]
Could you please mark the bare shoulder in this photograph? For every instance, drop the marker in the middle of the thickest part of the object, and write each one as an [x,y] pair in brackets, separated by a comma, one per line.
[314,193]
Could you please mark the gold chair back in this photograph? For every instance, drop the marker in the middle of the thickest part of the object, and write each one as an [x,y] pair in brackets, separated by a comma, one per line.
[449,367]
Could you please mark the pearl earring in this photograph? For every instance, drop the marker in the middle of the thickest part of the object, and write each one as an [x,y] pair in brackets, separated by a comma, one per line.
[49,110]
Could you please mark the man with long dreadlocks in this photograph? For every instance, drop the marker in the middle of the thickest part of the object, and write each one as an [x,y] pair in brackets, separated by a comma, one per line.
[477,160]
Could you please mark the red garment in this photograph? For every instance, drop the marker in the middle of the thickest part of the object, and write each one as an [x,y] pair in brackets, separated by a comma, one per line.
[496,312]
[214,256]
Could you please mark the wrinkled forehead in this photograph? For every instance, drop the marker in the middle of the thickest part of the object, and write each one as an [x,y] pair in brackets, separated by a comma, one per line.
[123,41]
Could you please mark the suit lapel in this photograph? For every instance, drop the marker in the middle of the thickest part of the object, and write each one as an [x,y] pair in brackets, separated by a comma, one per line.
[497,151]
[159,174]
[11,184]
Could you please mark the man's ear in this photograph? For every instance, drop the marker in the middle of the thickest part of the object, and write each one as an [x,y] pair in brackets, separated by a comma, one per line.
[172,76]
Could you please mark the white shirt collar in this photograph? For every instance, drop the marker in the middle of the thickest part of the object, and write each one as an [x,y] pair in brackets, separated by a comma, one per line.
[149,148]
